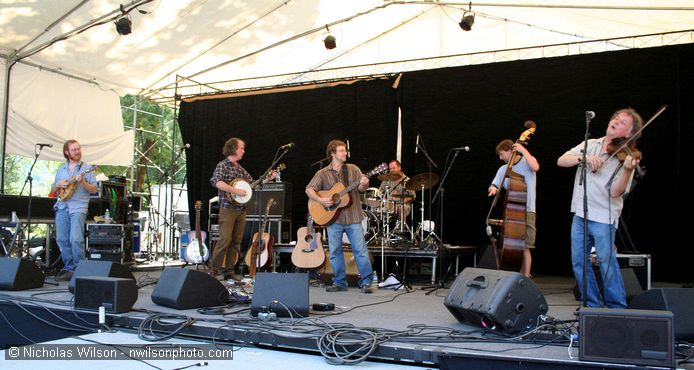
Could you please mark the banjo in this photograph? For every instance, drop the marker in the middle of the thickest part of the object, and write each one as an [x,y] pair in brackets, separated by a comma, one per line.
[239,183]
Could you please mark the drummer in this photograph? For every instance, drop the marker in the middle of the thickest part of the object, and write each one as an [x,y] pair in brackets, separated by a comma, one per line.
[394,181]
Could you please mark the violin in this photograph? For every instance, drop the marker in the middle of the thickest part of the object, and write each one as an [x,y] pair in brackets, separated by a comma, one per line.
[623,148]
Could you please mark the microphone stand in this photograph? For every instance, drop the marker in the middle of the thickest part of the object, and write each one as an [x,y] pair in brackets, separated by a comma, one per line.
[30,180]
[442,191]
[259,203]
[170,221]
[320,161]
[430,162]
[583,182]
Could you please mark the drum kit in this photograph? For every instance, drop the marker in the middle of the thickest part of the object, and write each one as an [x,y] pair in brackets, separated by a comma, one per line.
[387,210]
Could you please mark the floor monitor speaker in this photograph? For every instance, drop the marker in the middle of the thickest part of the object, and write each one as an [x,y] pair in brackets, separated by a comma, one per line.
[19,274]
[679,301]
[182,289]
[99,268]
[280,293]
[500,300]
[116,295]
[635,337]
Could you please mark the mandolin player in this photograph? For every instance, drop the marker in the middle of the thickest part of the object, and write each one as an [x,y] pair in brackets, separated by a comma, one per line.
[527,166]
[73,183]
[232,214]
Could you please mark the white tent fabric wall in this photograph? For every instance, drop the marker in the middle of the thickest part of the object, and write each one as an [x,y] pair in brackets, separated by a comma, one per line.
[50,108]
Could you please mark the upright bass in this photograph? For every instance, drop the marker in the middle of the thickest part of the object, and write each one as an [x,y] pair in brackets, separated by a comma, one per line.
[508,251]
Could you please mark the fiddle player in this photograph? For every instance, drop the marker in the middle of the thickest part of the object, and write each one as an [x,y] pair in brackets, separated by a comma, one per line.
[232,215]
[527,166]
[607,181]
[70,214]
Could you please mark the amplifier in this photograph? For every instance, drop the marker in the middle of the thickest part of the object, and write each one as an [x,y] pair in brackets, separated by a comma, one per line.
[641,264]
[105,234]
[281,192]
[99,254]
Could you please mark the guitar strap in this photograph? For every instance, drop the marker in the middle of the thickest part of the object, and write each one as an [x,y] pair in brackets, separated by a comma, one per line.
[345,175]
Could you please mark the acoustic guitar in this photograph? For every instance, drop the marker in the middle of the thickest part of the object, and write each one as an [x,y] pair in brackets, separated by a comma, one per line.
[308,253]
[67,192]
[196,251]
[239,183]
[260,250]
[340,195]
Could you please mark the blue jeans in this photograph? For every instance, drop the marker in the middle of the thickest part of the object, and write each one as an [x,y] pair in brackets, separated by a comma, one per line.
[69,233]
[601,236]
[355,234]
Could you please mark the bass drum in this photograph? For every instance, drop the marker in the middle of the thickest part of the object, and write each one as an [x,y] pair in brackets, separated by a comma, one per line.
[368,226]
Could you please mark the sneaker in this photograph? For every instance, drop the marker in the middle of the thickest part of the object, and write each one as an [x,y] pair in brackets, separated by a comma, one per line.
[367,289]
[336,288]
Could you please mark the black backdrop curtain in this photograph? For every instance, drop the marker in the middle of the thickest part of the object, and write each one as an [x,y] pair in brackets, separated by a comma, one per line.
[364,112]
[478,106]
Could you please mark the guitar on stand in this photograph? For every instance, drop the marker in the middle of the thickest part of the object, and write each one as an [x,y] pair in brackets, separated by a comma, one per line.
[340,197]
[260,250]
[196,251]
[239,183]
[308,253]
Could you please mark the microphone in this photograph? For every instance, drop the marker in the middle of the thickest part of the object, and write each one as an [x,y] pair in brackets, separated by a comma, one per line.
[184,147]
[42,145]
[416,145]
[287,146]
[462,149]
[590,115]
[348,155]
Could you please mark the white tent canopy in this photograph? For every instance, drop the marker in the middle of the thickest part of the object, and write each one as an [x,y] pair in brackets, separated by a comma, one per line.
[209,41]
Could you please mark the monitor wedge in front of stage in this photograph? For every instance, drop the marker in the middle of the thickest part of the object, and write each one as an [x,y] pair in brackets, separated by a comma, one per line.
[281,293]
[183,289]
[499,300]
[19,274]
[99,268]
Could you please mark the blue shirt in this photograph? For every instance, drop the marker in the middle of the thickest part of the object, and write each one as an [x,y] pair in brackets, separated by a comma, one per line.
[521,168]
[79,202]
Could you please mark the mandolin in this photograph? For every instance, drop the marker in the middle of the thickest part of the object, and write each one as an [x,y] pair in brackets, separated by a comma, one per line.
[67,192]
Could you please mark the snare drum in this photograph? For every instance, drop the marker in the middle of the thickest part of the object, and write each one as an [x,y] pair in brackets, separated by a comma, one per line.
[371,198]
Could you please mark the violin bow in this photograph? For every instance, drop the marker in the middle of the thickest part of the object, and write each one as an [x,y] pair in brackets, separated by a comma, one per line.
[636,134]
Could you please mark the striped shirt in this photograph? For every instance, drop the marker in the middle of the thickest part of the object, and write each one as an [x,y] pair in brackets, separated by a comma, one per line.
[226,171]
[326,177]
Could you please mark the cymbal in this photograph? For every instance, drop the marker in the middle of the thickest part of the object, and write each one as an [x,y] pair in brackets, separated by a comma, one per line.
[389,176]
[422,181]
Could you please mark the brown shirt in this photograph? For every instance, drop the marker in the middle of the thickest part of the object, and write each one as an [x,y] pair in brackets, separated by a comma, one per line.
[326,177]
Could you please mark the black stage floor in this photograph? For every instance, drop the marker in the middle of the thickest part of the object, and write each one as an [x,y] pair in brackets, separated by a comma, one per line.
[403,326]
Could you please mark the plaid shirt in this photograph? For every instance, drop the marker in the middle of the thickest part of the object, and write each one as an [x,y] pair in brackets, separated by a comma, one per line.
[226,171]
[326,177]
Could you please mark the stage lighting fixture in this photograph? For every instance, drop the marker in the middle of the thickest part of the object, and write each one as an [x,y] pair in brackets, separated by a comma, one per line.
[330,42]
[123,25]
[467,21]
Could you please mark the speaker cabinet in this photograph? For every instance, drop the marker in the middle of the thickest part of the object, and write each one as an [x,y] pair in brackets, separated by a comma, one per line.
[19,274]
[635,337]
[500,300]
[281,192]
[116,295]
[679,301]
[277,292]
[99,268]
[183,289]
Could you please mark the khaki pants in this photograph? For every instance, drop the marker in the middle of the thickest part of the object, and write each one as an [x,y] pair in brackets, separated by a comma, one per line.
[232,223]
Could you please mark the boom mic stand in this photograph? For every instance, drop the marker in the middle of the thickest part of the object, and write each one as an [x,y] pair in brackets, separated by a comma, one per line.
[441,190]
[583,181]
